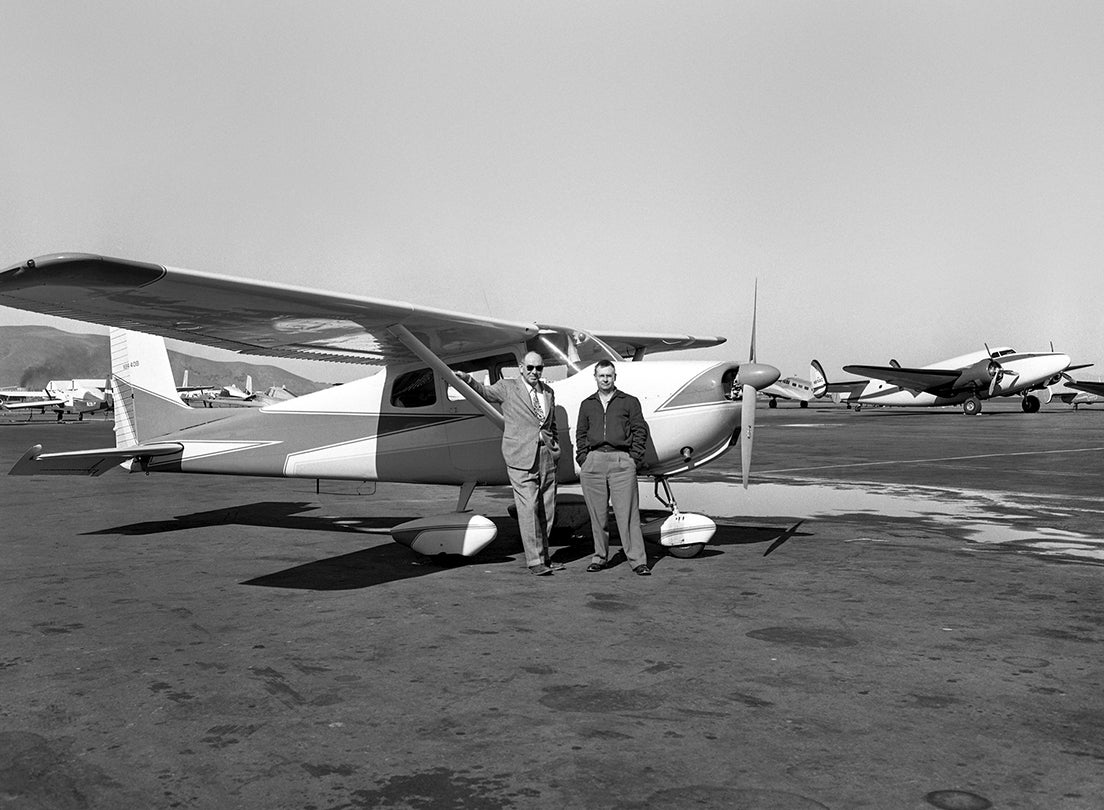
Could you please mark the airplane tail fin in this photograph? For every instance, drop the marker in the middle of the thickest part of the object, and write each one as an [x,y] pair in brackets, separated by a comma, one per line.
[818,378]
[147,404]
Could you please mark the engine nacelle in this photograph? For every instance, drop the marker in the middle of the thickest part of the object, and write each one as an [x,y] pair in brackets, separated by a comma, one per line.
[979,375]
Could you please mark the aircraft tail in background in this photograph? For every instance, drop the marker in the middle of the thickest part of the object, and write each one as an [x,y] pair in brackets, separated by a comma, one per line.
[818,378]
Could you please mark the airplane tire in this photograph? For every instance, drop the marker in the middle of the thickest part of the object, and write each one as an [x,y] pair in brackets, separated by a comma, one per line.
[1030,404]
[972,406]
[687,551]
[773,403]
[804,404]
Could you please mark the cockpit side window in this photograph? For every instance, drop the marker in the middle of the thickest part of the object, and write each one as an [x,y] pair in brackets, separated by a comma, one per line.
[414,389]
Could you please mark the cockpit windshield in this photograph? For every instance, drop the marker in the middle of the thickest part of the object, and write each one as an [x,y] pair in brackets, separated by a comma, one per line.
[573,348]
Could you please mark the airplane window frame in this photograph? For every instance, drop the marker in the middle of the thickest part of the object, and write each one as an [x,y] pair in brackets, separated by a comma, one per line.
[487,370]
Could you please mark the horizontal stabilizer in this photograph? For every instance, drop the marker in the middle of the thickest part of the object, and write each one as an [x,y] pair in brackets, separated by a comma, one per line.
[87,462]
[637,344]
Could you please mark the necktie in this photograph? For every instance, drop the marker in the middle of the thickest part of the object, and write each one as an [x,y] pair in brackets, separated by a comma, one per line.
[537,404]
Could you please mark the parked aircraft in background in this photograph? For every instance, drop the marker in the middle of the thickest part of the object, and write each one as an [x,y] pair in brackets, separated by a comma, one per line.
[965,380]
[1078,392]
[231,396]
[234,397]
[62,397]
[188,392]
[400,424]
[793,388]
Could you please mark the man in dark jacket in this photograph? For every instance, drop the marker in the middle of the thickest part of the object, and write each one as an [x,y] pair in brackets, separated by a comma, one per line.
[610,439]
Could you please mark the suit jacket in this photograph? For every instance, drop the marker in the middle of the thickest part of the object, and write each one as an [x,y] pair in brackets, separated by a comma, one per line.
[524,430]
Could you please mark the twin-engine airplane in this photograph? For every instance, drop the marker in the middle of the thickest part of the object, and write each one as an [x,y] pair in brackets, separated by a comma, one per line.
[61,396]
[965,380]
[793,388]
[1079,392]
[413,421]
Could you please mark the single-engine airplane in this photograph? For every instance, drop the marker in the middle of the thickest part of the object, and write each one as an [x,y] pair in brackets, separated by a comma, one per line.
[413,421]
[965,380]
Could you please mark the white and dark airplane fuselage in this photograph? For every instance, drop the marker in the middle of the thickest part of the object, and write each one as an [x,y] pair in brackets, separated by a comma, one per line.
[368,437]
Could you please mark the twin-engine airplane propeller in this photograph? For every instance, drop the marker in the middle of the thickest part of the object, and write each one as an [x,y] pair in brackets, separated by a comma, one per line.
[414,421]
[965,380]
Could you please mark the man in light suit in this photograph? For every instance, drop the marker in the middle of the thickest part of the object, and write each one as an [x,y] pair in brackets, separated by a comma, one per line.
[531,449]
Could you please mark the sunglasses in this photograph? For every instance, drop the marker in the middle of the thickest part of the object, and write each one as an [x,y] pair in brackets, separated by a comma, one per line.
[534,368]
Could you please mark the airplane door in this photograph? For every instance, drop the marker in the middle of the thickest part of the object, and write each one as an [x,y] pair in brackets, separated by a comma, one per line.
[475,444]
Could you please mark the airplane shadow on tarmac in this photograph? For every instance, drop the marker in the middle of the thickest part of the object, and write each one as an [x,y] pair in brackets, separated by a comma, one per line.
[390,562]
[386,562]
[730,534]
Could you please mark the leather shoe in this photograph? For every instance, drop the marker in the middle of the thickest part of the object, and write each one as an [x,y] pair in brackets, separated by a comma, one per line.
[594,567]
[642,570]
[555,566]
[541,570]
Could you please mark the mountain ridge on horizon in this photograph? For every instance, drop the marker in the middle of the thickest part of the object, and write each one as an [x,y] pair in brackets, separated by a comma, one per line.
[31,356]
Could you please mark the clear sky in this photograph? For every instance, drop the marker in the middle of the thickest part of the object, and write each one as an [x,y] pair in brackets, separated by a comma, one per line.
[904,179]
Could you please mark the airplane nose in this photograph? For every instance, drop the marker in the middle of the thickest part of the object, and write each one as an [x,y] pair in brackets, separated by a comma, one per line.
[757,375]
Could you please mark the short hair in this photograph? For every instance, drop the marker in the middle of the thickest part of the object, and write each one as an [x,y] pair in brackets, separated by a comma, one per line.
[604,364]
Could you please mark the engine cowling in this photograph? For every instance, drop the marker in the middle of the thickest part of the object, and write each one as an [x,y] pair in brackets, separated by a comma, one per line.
[978,376]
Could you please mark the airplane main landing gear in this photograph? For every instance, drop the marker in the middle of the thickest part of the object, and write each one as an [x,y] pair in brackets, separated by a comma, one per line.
[1030,404]
[682,534]
[972,406]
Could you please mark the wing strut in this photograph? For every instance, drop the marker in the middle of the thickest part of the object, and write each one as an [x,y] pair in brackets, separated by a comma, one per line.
[434,362]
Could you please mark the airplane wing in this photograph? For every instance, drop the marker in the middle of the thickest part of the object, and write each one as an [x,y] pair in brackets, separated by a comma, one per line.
[1087,386]
[269,319]
[37,403]
[87,462]
[628,344]
[242,315]
[910,379]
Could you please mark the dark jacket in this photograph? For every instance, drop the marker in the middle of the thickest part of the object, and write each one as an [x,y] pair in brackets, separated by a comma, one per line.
[619,426]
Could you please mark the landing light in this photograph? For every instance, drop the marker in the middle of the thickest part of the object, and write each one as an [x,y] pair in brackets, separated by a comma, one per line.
[686,453]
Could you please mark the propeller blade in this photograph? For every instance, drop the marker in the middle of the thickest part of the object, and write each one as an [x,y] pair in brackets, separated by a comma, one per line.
[754,311]
[993,383]
[747,429]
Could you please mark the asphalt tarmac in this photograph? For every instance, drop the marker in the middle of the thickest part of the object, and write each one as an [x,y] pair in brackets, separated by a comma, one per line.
[902,611]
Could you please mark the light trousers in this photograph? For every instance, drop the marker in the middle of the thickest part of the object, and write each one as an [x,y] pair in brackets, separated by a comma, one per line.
[609,478]
[535,499]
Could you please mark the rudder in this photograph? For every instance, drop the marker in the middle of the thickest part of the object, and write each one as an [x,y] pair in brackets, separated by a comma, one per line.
[818,378]
[147,404]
